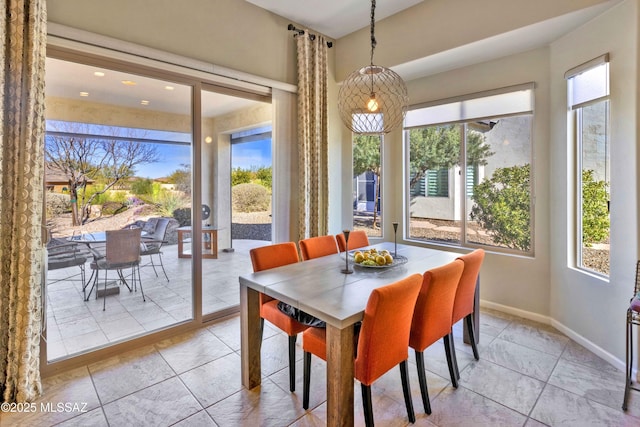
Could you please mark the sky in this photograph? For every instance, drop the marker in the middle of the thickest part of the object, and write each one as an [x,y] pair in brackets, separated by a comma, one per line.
[247,155]
[174,152]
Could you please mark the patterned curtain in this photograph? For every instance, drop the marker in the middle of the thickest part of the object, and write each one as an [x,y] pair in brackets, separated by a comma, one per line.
[23,41]
[313,216]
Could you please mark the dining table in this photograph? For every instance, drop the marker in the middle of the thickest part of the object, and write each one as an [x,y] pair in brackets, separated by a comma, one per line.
[320,288]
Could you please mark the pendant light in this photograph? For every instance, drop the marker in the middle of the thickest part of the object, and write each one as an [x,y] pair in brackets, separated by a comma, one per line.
[373,99]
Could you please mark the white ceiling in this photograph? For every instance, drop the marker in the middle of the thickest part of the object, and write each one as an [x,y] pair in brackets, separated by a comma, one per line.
[67,79]
[333,18]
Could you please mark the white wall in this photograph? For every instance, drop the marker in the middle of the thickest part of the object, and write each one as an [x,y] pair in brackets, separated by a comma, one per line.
[591,307]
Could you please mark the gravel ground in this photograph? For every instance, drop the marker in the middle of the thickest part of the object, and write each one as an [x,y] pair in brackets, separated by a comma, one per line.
[253,225]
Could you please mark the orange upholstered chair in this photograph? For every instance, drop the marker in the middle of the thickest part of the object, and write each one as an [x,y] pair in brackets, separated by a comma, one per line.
[431,319]
[465,297]
[382,344]
[264,258]
[315,247]
[357,239]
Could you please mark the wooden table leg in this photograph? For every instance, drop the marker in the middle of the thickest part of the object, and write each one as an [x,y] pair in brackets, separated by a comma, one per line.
[340,376]
[476,317]
[251,336]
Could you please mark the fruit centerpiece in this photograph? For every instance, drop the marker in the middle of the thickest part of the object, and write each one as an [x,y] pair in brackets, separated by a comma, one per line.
[372,257]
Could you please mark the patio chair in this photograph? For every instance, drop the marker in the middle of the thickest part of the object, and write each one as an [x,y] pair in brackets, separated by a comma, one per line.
[152,243]
[122,251]
[61,254]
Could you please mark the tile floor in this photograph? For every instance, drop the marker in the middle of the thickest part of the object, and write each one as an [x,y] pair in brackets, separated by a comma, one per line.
[528,375]
[76,326]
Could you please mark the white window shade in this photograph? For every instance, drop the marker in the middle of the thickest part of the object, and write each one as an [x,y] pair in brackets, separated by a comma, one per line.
[589,85]
[516,100]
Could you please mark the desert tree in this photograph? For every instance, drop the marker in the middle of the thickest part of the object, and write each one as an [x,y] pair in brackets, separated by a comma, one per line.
[366,158]
[83,158]
[438,147]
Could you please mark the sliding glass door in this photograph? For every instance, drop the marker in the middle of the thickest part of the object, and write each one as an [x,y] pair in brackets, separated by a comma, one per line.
[236,191]
[118,155]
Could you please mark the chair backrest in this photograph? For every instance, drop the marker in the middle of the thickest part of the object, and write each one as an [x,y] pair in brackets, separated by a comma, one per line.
[315,247]
[463,304]
[434,307]
[357,239]
[384,336]
[272,256]
[160,230]
[123,246]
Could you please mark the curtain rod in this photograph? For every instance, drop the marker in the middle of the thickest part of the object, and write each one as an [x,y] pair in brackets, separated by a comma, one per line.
[299,32]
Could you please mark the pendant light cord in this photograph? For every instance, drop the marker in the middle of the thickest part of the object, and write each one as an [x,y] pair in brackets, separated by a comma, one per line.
[373,27]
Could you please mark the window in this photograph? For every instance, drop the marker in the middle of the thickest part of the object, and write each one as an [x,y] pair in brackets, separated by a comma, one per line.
[367,177]
[588,94]
[470,171]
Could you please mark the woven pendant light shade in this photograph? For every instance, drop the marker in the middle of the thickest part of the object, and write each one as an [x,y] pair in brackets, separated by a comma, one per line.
[373,100]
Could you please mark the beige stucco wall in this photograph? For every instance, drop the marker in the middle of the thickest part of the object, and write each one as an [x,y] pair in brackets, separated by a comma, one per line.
[581,303]
[435,26]
[228,33]
[96,113]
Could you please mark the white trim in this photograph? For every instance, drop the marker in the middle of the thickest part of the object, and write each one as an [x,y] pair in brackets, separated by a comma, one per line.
[72,38]
[592,347]
[516,312]
[589,345]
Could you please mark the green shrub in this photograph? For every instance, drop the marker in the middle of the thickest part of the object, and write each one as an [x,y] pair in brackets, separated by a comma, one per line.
[100,199]
[57,204]
[240,176]
[264,175]
[168,201]
[142,186]
[501,206]
[595,212]
[118,196]
[250,198]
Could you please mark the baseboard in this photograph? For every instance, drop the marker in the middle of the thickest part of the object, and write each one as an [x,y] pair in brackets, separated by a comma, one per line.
[592,347]
[516,312]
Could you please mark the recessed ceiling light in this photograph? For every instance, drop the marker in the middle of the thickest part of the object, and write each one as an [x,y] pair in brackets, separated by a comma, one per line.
[84,93]
[169,87]
[208,140]
[98,74]
[144,102]
[129,83]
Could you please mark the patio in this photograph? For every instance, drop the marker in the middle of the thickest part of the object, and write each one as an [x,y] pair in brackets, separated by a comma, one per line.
[76,326]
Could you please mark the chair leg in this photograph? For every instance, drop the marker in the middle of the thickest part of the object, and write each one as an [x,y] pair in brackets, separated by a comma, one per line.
[422,379]
[104,297]
[153,264]
[162,266]
[306,383]
[292,362]
[472,335]
[366,405]
[139,280]
[450,351]
[629,358]
[406,390]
